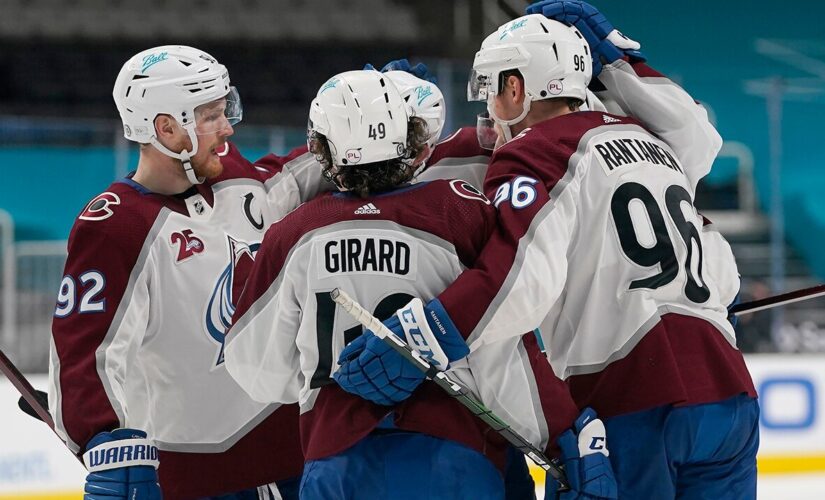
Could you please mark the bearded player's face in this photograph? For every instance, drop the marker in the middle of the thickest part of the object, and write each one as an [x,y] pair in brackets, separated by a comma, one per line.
[213,129]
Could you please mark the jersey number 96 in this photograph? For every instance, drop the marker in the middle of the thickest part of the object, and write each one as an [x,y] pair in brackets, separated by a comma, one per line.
[521,192]
[662,251]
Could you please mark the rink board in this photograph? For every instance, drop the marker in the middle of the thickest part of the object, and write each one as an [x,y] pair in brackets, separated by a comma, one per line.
[35,464]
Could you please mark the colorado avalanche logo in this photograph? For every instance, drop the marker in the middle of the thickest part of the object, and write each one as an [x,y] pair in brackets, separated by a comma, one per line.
[227,291]
[467,190]
[101,207]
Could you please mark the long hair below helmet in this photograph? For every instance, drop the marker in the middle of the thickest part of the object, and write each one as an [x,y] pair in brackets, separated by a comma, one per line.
[366,179]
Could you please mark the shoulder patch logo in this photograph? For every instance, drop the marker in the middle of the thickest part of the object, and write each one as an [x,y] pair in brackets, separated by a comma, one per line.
[188,244]
[610,119]
[467,190]
[368,209]
[100,208]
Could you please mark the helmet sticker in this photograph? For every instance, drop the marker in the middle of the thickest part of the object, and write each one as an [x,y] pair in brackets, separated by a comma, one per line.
[555,87]
[422,92]
[331,83]
[513,27]
[150,60]
[353,155]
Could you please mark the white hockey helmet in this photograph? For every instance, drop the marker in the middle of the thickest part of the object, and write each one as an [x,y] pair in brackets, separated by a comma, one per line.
[363,118]
[173,80]
[425,100]
[553,59]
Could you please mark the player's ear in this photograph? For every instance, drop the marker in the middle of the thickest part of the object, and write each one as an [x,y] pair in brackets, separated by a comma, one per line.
[515,89]
[165,127]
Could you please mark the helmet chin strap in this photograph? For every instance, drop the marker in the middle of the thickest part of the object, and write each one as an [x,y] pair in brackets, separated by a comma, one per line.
[184,156]
[505,124]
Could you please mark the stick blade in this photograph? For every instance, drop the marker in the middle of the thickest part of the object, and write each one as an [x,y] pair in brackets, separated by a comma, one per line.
[41,396]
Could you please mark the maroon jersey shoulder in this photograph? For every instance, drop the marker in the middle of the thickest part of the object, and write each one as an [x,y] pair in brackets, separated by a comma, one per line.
[562,134]
[125,212]
[461,144]
[450,209]
[546,148]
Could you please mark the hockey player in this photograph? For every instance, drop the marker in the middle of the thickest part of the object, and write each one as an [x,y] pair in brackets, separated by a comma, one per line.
[384,242]
[155,266]
[642,93]
[600,245]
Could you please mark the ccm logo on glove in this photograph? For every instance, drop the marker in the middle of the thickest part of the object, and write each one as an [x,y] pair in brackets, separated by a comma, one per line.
[417,330]
[597,443]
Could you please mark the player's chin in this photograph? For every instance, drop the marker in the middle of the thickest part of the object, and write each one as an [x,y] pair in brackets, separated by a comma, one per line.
[210,167]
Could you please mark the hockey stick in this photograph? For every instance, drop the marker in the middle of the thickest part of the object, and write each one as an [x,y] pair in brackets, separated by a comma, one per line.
[778,300]
[42,398]
[26,390]
[33,399]
[451,387]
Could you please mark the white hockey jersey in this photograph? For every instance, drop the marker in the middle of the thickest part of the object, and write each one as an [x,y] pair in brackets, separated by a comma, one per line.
[382,250]
[599,245]
[150,286]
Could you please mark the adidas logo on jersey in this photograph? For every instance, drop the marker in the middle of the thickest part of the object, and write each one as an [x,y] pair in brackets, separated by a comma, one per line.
[610,119]
[368,209]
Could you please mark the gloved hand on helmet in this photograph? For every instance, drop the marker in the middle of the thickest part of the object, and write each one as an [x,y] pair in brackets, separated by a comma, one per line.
[607,44]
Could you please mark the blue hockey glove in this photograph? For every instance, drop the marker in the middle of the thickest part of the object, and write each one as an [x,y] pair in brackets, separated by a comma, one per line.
[420,70]
[607,44]
[122,464]
[370,368]
[376,372]
[584,455]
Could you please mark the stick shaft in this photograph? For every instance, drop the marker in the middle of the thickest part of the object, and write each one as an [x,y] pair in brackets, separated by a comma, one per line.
[25,388]
[453,388]
[778,300]
[28,393]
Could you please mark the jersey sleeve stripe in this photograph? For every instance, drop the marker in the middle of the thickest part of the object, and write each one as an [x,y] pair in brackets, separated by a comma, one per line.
[111,362]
